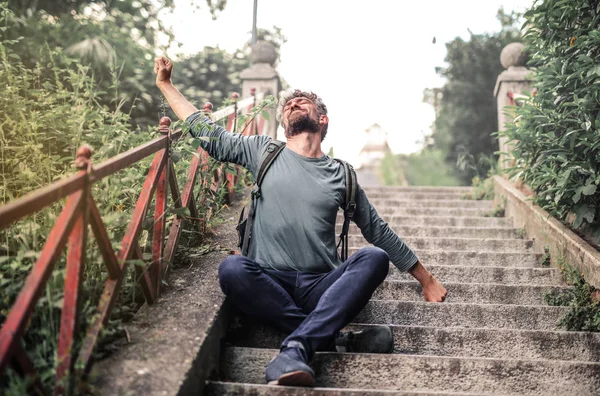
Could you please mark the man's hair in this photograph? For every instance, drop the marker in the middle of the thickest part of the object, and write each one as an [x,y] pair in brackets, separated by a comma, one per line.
[296,93]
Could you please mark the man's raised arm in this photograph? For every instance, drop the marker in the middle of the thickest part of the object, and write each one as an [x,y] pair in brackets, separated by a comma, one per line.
[163,68]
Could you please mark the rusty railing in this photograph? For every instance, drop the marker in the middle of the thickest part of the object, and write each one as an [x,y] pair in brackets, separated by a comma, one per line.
[71,227]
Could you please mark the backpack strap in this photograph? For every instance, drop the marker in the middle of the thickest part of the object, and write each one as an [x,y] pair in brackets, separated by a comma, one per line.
[349,206]
[271,152]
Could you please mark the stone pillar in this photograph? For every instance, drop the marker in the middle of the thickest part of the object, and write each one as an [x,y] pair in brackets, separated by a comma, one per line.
[510,85]
[262,76]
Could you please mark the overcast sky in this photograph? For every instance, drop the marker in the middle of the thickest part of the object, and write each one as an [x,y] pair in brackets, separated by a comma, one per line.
[369,60]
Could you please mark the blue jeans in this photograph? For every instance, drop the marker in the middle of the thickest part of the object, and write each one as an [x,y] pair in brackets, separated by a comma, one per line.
[311,308]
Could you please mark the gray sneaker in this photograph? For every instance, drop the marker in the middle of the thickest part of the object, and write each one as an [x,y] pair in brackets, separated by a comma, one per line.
[375,339]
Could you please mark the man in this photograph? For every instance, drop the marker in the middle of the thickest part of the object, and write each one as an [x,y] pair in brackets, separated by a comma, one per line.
[292,276]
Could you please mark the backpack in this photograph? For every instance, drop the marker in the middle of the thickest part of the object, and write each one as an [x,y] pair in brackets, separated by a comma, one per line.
[244,227]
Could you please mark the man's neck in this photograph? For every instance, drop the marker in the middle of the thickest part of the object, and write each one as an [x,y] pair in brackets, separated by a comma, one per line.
[306,144]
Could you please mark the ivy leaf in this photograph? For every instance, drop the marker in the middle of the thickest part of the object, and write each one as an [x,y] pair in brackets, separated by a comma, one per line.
[265,114]
[577,195]
[583,212]
[589,189]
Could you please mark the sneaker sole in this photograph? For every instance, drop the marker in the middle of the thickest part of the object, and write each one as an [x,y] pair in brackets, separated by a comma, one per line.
[295,378]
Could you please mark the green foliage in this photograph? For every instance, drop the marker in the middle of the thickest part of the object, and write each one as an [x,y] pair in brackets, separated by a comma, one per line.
[483,186]
[584,310]
[120,38]
[467,109]
[555,134]
[426,168]
[46,112]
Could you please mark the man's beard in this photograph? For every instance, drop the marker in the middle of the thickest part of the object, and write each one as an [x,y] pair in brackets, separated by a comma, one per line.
[301,124]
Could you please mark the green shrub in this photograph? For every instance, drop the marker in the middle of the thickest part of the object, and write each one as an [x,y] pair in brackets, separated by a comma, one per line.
[46,113]
[555,134]
[584,311]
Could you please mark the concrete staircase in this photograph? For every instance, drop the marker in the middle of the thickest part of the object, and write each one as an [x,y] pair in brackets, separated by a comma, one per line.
[493,335]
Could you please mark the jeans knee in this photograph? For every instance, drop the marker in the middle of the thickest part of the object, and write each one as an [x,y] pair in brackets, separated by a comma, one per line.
[378,261]
[230,271]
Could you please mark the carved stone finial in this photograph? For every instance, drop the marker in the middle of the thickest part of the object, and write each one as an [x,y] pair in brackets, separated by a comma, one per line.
[235,95]
[252,91]
[263,52]
[513,55]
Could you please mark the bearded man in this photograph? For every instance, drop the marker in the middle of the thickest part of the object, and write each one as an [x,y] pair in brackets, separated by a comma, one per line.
[292,276]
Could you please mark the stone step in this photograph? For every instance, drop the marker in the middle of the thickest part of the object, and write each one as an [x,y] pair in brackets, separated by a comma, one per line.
[446,232]
[457,244]
[471,293]
[419,189]
[500,275]
[217,388]
[430,203]
[420,211]
[422,340]
[441,221]
[426,373]
[473,258]
[524,317]
[417,195]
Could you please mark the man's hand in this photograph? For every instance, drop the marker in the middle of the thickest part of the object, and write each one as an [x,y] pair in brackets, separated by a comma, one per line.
[433,290]
[163,68]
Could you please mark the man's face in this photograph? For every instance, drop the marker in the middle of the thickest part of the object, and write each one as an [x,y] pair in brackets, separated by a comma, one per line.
[300,115]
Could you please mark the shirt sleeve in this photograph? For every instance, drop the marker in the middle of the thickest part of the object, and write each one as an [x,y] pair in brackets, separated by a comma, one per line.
[376,231]
[225,146]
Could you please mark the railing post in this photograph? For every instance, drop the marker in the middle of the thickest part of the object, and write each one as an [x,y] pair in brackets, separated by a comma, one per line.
[160,208]
[69,319]
[232,122]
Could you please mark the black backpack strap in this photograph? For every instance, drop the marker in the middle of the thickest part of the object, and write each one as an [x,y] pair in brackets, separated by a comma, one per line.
[349,206]
[271,152]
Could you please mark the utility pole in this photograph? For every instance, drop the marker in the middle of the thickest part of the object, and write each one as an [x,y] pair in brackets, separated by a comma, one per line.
[254,24]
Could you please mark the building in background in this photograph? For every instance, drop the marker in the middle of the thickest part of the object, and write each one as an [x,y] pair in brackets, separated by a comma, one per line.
[375,148]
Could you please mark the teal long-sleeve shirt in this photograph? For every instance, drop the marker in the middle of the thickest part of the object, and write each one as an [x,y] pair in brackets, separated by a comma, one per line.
[294,225]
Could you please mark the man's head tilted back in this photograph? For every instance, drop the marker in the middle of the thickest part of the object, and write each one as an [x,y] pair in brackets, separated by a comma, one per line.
[302,111]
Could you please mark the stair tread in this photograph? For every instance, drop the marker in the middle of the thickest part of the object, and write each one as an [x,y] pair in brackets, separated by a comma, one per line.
[427,373]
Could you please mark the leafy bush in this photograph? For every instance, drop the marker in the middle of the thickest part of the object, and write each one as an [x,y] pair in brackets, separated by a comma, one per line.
[555,134]
[46,113]
[584,309]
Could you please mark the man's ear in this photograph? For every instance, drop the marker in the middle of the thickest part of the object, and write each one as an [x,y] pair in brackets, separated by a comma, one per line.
[323,119]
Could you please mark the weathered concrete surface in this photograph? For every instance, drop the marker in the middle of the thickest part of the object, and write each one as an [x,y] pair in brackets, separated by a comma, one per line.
[427,373]
[548,231]
[432,203]
[174,345]
[442,221]
[474,258]
[419,190]
[505,275]
[446,232]
[471,293]
[385,194]
[485,316]
[458,244]
[432,341]
[423,211]
[228,388]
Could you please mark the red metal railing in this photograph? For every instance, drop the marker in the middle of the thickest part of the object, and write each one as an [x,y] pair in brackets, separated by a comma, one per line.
[71,228]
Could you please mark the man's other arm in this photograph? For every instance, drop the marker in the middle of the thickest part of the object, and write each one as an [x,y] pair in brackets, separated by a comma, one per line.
[377,231]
